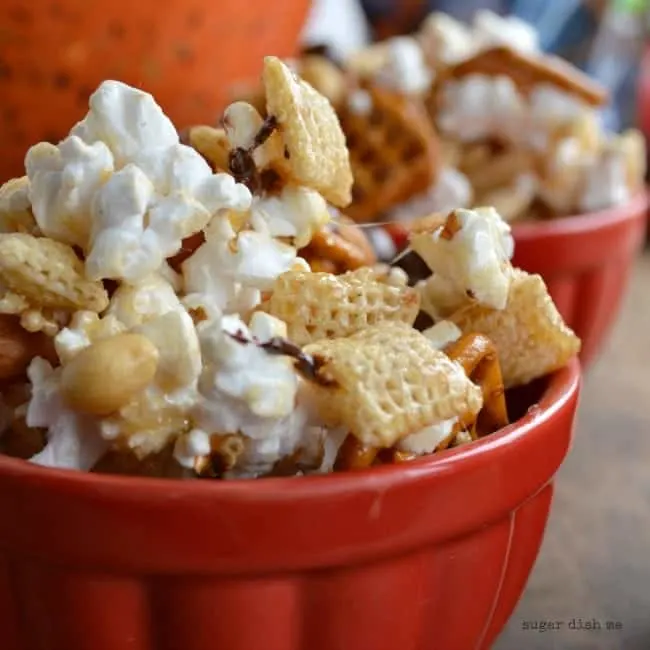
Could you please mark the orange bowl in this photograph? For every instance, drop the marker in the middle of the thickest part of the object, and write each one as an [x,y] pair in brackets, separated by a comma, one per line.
[187,53]
[586,261]
[428,555]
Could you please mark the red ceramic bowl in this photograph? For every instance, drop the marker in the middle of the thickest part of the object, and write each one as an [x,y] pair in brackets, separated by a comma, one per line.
[430,555]
[586,262]
[187,53]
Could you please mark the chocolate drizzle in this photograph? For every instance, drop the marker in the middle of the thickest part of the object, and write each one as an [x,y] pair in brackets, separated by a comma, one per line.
[306,364]
[241,163]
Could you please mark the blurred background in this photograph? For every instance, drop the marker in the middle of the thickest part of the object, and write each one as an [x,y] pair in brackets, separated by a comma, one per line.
[606,39]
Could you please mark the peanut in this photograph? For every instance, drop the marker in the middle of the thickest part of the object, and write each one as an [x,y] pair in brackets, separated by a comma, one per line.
[105,376]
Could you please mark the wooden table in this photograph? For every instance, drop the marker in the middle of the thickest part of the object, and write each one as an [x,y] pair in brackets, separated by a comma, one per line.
[595,561]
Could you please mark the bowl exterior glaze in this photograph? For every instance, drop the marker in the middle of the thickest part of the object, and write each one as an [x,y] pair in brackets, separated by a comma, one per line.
[431,555]
[586,262]
[189,54]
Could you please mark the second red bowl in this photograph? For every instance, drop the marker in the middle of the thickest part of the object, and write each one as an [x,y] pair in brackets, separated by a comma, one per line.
[586,261]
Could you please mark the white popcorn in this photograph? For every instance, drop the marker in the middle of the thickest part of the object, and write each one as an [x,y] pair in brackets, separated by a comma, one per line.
[126,119]
[85,328]
[451,190]
[605,182]
[490,29]
[242,122]
[442,334]
[426,440]
[181,171]
[228,264]
[73,440]
[297,212]
[123,188]
[360,102]
[63,182]
[475,259]
[478,107]
[179,353]
[451,40]
[135,229]
[189,448]
[135,304]
[260,259]
[405,70]
[243,384]
[282,438]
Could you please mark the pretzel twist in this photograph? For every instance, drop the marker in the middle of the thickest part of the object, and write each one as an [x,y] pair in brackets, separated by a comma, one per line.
[345,249]
[478,356]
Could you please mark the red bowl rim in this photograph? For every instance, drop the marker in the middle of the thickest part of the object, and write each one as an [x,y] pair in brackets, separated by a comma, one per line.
[580,223]
[561,388]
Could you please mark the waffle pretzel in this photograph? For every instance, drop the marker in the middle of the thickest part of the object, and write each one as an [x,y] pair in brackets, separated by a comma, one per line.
[225,451]
[393,151]
[529,70]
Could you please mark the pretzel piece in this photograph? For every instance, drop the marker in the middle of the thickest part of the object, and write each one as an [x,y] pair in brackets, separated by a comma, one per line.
[344,245]
[529,70]
[479,358]
[353,454]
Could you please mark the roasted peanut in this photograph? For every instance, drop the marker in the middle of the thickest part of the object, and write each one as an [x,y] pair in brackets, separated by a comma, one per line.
[107,375]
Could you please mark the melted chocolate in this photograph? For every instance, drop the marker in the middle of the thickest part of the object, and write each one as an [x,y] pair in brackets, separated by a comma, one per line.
[306,364]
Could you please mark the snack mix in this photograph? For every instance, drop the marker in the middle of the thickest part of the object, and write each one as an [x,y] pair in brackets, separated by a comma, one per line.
[463,115]
[202,310]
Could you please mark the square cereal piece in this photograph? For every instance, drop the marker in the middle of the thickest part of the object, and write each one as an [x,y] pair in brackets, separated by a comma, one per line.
[530,335]
[47,274]
[320,305]
[314,142]
[388,381]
